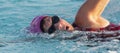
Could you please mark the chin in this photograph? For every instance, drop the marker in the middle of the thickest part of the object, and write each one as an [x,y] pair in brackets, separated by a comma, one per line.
[70,28]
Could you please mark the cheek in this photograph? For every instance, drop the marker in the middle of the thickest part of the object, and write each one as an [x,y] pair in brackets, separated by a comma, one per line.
[65,22]
[58,25]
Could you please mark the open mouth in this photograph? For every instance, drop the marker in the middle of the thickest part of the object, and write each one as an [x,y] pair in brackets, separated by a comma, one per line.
[67,27]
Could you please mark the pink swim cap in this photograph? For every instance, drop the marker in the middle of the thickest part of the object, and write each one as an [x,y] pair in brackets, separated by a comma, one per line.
[35,24]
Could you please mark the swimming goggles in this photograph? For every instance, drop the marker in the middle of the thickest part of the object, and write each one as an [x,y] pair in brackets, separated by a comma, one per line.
[55,19]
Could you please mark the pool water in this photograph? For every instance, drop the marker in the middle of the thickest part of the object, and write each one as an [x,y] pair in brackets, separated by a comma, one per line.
[16,15]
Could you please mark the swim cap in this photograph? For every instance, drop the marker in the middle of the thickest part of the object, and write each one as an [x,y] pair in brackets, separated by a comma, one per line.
[35,24]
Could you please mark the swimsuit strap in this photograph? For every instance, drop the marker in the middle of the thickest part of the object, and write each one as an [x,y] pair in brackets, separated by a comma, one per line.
[110,27]
[113,27]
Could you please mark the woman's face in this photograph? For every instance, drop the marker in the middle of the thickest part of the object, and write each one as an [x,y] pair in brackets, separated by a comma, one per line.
[60,25]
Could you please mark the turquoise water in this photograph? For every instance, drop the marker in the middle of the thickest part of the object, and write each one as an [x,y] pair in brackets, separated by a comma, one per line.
[16,15]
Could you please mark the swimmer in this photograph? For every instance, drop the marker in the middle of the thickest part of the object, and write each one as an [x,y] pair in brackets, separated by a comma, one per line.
[88,18]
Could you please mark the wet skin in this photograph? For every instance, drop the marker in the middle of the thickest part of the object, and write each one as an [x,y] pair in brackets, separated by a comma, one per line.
[61,25]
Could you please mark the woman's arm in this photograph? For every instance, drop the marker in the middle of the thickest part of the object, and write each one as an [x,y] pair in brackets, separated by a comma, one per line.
[90,14]
[93,7]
